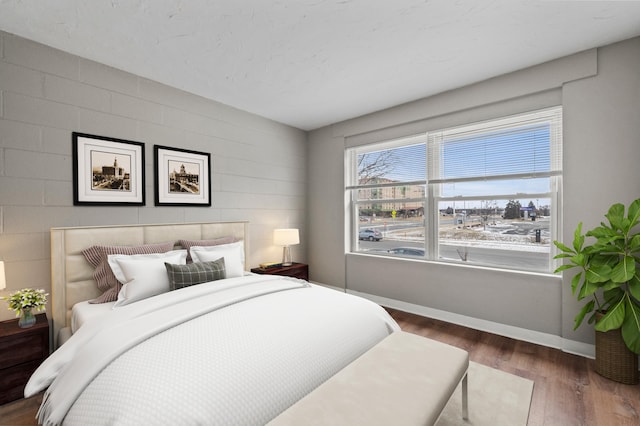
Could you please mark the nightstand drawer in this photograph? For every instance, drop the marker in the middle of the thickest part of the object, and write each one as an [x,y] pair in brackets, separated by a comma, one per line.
[20,348]
[14,379]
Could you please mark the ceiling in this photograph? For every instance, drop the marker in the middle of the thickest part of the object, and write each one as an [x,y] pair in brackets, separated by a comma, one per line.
[310,63]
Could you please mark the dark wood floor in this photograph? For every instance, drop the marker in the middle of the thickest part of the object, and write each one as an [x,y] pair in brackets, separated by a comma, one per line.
[20,412]
[567,390]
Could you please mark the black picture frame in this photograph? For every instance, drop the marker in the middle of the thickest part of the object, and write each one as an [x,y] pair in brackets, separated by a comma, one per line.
[107,171]
[182,177]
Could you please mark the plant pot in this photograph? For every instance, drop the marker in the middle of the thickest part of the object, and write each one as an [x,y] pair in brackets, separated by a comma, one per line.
[614,360]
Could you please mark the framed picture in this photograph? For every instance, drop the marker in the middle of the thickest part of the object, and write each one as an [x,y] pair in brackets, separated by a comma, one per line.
[107,171]
[183,177]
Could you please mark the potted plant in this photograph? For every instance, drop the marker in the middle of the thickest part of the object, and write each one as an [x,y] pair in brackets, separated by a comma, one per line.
[23,302]
[609,279]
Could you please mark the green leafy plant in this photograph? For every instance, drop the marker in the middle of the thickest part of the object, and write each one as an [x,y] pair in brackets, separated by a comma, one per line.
[26,298]
[609,275]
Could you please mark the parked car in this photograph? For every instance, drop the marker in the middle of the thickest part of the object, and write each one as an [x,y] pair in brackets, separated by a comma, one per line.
[370,234]
[407,251]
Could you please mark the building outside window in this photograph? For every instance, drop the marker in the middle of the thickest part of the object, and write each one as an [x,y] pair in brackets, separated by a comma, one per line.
[484,194]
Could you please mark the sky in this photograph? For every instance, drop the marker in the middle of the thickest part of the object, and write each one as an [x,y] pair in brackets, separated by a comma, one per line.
[513,151]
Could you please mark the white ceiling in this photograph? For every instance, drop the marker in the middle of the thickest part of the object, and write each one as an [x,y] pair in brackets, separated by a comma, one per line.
[309,63]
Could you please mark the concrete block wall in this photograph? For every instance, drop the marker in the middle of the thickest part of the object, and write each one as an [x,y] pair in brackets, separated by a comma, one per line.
[258,166]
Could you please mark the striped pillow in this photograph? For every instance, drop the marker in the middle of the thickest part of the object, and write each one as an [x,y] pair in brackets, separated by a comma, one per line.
[97,256]
[187,244]
[181,276]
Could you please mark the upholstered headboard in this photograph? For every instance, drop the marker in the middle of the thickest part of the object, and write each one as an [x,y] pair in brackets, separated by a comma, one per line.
[72,276]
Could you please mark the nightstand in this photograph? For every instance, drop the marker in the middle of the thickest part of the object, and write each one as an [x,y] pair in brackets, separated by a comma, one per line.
[22,350]
[297,270]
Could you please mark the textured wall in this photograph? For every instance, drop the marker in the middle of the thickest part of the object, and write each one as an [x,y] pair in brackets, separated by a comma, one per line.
[45,94]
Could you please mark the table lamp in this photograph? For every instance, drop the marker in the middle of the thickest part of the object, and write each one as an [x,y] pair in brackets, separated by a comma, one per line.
[286,238]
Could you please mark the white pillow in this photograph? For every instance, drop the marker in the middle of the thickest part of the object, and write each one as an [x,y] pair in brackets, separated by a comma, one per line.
[143,275]
[233,256]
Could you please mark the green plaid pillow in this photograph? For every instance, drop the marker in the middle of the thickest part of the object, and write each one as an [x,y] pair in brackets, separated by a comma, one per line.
[181,276]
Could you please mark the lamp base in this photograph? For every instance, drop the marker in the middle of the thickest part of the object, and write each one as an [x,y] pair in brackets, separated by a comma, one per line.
[286,256]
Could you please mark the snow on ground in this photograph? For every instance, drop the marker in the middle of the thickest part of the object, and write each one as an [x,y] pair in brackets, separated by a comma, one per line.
[477,237]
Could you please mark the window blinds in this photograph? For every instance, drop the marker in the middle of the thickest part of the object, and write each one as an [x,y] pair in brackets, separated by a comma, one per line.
[522,146]
[400,161]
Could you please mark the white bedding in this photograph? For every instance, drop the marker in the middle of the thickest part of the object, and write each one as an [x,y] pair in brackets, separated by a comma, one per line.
[255,346]
[85,311]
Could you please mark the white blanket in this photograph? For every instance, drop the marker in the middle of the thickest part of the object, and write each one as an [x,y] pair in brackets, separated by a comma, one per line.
[238,351]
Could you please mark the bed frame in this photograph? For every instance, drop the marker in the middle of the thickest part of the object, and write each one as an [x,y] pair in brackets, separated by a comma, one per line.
[72,276]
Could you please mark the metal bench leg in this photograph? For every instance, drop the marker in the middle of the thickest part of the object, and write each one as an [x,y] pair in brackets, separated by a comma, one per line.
[465,402]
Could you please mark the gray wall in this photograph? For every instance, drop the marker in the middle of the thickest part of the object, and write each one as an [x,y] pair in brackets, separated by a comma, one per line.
[600,92]
[258,165]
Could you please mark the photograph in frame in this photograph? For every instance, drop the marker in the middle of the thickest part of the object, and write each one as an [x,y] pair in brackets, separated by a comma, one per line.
[107,171]
[182,177]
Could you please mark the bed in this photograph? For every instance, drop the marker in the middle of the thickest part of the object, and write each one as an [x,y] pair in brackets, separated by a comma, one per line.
[238,350]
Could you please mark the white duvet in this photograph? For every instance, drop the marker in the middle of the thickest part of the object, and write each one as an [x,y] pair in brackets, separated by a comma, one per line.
[232,352]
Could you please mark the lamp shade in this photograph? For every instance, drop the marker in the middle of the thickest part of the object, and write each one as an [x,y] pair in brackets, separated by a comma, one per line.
[3,280]
[286,237]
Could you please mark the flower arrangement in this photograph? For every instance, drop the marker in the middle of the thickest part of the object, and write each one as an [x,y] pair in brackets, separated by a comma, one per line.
[27,298]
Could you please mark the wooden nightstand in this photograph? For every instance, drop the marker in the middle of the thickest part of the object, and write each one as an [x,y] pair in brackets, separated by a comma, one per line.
[21,352]
[297,270]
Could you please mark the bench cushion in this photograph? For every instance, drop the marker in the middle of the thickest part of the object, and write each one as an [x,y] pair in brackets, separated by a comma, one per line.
[404,380]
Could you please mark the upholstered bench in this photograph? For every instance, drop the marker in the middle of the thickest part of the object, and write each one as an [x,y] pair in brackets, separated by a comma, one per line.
[403,380]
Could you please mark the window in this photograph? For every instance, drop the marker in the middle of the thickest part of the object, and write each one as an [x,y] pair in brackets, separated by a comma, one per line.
[483,194]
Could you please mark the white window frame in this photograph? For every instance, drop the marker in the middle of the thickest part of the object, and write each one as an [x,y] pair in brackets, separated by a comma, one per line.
[432,184]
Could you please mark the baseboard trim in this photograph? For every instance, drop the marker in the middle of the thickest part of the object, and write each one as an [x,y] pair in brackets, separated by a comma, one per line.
[544,339]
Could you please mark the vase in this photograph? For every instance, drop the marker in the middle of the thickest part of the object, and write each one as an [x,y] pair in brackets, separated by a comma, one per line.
[27,319]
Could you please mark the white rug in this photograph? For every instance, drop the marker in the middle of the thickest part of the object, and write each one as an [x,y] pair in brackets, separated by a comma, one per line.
[496,398]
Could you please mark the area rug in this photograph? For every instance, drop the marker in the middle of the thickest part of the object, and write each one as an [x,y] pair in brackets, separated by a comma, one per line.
[496,398]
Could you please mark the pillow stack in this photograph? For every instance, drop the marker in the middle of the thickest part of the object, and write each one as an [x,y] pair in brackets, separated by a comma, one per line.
[126,274]
[97,256]
[143,275]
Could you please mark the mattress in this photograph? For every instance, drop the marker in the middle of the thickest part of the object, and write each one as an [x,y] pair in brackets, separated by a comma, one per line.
[85,311]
